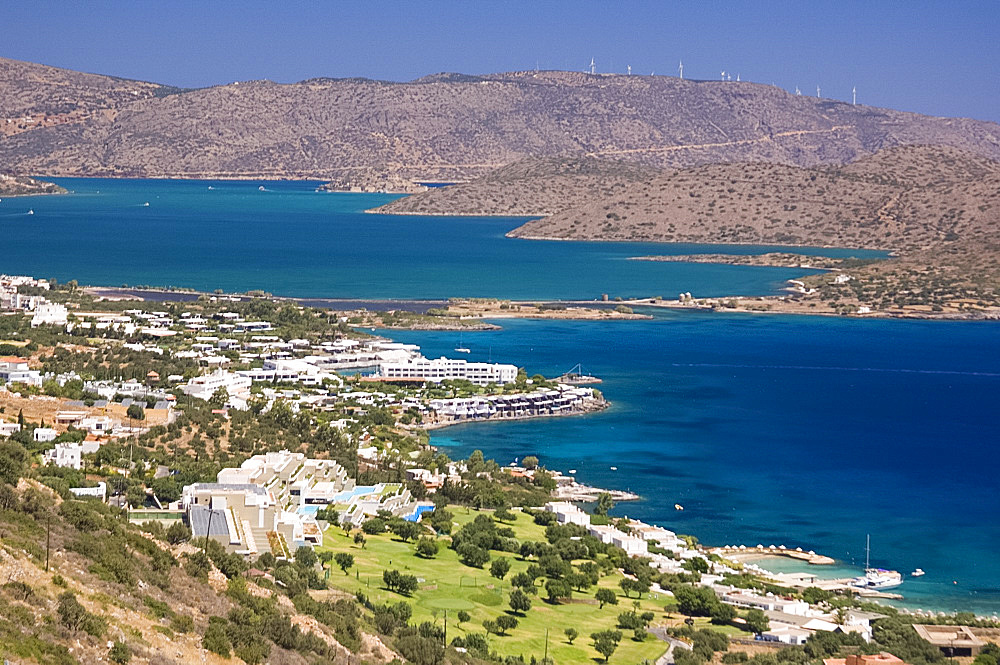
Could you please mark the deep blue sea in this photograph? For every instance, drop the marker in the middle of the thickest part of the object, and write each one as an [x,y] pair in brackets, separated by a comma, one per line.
[769,429]
[292,240]
[779,430]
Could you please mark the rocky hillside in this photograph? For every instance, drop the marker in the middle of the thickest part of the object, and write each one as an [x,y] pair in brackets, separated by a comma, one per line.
[35,97]
[21,185]
[81,585]
[906,199]
[531,187]
[439,127]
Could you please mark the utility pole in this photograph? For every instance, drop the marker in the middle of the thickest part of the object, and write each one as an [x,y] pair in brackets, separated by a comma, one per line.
[446,627]
[545,658]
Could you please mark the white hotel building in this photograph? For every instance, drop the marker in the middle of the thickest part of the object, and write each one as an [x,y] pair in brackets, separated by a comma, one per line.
[445,369]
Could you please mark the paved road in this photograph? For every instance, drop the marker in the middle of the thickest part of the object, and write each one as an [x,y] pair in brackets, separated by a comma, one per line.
[668,657]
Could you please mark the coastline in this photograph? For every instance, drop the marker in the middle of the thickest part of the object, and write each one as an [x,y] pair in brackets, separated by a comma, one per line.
[595,407]
[782,305]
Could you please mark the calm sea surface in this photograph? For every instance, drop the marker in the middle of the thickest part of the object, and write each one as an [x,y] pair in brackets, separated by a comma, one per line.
[769,429]
[780,430]
[291,240]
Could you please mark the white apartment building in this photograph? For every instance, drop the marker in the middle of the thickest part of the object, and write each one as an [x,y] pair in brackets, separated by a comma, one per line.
[203,387]
[49,314]
[567,513]
[444,369]
[15,370]
[44,434]
[65,455]
[8,429]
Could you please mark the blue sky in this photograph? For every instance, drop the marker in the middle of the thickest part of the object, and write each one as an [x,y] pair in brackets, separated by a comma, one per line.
[941,58]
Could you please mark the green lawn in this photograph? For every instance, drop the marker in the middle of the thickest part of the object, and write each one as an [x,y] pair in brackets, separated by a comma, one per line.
[447,585]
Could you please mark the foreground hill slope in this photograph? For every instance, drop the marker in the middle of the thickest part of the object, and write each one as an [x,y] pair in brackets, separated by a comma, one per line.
[444,126]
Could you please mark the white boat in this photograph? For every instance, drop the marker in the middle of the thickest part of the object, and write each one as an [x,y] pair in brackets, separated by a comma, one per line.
[876,578]
[146,204]
[678,506]
[462,349]
[614,468]
[919,572]
[261,189]
[31,212]
[572,471]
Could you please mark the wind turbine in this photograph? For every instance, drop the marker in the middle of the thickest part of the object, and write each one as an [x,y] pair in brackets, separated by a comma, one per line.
[723,74]
[680,70]
[817,91]
[593,67]
[797,91]
[854,96]
[737,77]
[629,70]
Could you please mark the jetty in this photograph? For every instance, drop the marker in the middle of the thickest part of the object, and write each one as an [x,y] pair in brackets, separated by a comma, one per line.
[773,550]
[576,377]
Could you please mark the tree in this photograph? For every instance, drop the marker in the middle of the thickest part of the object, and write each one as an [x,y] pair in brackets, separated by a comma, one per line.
[491,626]
[216,640]
[604,504]
[504,514]
[463,616]
[13,461]
[723,613]
[606,597]
[306,557]
[694,601]
[571,634]
[578,581]
[500,567]
[427,547]
[506,622]
[359,539]
[397,581]
[520,601]
[757,621]
[120,653]
[473,555]
[640,586]
[405,530]
[530,462]
[135,412]
[219,398]
[373,526]
[344,560]
[523,581]
[556,589]
[166,489]
[71,613]
[606,641]
[178,533]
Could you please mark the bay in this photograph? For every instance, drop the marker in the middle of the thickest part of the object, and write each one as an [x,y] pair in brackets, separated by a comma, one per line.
[291,240]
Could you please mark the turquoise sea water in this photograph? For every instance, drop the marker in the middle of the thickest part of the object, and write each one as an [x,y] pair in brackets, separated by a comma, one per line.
[769,429]
[291,240]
